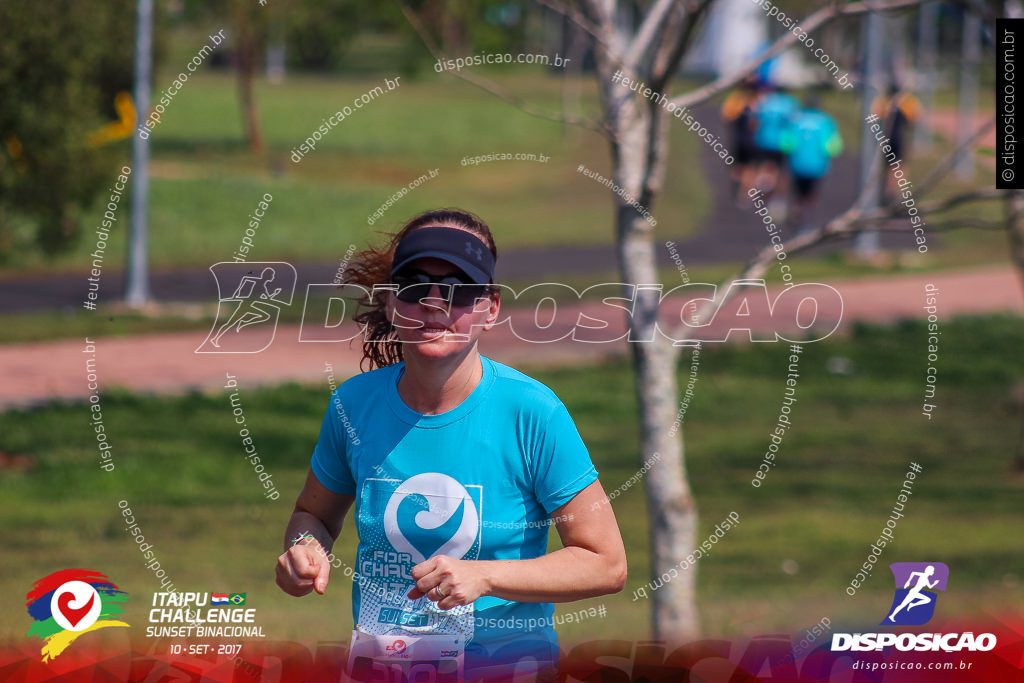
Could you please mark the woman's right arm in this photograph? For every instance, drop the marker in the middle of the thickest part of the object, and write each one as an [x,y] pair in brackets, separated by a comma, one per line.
[319,512]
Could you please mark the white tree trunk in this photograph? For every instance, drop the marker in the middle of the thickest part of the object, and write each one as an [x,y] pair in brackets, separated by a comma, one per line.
[671,510]
[639,149]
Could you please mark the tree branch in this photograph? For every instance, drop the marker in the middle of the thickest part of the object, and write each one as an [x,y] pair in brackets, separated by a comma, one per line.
[648,30]
[944,167]
[576,17]
[662,68]
[956,224]
[892,210]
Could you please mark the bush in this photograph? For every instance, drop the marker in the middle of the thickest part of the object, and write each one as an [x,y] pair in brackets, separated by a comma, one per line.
[61,64]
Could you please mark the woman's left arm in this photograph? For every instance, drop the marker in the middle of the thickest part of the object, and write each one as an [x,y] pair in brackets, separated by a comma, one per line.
[592,563]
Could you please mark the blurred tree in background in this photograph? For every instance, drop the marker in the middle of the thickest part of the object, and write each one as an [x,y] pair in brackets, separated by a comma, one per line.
[314,33]
[61,65]
[317,33]
[247,33]
[462,27]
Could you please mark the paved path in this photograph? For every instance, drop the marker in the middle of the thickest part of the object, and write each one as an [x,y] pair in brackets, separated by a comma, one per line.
[166,363]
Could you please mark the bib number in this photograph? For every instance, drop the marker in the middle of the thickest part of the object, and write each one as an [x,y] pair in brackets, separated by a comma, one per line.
[429,658]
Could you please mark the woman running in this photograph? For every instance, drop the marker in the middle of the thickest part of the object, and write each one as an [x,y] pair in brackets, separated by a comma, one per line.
[456,464]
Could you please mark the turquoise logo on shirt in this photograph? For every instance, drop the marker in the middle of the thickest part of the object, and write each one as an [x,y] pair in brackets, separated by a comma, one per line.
[426,543]
[431,514]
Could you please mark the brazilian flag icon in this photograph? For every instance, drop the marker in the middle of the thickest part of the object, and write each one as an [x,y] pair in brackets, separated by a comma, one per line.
[237,598]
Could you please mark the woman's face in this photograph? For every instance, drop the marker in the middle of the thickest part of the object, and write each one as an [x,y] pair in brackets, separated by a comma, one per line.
[431,327]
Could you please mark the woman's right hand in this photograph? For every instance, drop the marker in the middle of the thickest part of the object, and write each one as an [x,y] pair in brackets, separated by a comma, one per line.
[302,568]
[319,513]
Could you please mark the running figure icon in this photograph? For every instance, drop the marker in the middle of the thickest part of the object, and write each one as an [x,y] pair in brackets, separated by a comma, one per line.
[915,597]
[251,309]
[250,296]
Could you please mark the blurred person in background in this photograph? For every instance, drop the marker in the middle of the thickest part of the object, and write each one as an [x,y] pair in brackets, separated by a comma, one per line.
[738,112]
[774,114]
[898,110]
[811,141]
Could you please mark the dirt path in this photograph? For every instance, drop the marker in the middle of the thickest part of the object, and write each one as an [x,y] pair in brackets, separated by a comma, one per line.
[166,363]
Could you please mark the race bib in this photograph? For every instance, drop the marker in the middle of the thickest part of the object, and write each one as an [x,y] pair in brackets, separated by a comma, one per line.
[401,524]
[431,658]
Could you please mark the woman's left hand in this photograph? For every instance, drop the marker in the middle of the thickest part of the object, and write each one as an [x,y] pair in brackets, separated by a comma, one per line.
[449,582]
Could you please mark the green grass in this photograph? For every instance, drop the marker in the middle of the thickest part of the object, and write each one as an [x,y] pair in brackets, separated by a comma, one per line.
[107,321]
[205,183]
[180,468]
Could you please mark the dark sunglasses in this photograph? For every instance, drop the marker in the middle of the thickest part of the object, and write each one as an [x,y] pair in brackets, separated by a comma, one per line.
[413,286]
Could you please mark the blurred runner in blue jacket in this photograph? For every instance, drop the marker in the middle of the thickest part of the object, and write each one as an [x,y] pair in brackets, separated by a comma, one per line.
[774,112]
[811,141]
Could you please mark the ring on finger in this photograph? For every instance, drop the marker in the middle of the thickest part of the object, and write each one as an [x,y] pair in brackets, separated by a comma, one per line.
[439,591]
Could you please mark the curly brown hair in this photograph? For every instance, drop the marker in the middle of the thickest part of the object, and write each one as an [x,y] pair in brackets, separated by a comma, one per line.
[372,266]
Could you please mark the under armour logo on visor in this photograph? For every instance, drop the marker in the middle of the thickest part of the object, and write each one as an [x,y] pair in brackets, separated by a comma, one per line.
[470,249]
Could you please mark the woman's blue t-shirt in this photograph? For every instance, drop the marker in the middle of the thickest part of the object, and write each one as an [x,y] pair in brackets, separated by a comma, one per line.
[477,482]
